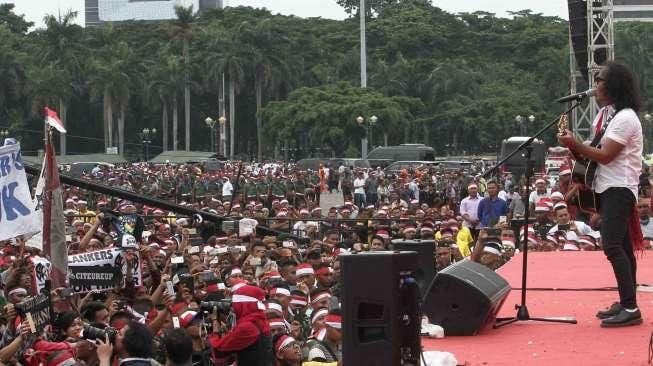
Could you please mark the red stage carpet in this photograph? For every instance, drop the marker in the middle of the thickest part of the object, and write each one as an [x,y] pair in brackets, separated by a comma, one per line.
[553,344]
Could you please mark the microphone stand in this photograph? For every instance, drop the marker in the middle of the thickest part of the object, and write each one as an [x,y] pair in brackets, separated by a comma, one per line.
[522,309]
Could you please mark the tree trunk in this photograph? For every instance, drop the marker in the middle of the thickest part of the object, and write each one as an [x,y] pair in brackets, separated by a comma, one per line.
[232,116]
[385,139]
[259,122]
[221,93]
[62,136]
[121,130]
[187,95]
[105,119]
[110,121]
[164,127]
[175,123]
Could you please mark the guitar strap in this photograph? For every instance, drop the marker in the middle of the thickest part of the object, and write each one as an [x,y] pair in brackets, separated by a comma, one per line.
[611,113]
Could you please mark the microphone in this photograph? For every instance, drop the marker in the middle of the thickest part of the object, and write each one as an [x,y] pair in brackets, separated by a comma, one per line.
[577,96]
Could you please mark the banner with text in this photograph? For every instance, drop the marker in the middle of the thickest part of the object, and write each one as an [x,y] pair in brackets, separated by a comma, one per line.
[102,269]
[38,308]
[17,211]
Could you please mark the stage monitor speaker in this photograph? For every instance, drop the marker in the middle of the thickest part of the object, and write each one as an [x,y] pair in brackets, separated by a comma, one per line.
[425,261]
[380,309]
[465,298]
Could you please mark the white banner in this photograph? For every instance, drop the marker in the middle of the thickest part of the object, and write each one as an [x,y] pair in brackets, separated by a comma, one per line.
[41,272]
[112,257]
[17,211]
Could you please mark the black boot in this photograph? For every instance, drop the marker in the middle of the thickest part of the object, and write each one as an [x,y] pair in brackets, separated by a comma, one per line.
[622,319]
[613,310]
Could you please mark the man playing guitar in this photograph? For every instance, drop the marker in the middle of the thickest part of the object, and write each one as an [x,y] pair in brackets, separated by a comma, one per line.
[618,156]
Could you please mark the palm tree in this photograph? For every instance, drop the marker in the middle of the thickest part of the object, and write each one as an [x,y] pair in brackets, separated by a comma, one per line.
[269,49]
[12,74]
[112,74]
[165,81]
[61,49]
[182,29]
[229,58]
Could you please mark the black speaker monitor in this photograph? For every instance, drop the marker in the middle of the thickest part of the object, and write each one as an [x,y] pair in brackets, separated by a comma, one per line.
[380,309]
[465,298]
[425,262]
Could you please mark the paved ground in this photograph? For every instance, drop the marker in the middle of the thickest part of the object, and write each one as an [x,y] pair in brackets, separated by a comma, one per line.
[330,199]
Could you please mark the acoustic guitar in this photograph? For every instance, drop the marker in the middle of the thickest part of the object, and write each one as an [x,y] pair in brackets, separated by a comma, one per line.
[582,174]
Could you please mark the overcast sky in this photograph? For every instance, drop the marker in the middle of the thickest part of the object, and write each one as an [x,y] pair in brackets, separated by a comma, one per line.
[35,10]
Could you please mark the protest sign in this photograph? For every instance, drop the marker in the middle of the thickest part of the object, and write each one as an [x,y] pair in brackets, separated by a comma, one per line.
[38,308]
[17,210]
[102,270]
[41,272]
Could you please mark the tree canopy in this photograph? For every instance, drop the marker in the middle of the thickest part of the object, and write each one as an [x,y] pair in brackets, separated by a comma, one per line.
[452,81]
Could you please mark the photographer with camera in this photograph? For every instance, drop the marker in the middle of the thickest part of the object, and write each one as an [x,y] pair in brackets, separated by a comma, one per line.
[565,224]
[249,339]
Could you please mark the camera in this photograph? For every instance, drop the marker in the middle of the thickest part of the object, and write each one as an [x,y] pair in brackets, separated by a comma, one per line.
[222,306]
[92,333]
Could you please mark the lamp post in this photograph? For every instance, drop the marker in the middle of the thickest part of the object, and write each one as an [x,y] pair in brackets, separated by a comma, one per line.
[522,122]
[221,140]
[210,123]
[146,138]
[223,136]
[367,124]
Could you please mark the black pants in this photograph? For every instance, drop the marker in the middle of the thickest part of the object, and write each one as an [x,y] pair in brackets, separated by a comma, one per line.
[616,208]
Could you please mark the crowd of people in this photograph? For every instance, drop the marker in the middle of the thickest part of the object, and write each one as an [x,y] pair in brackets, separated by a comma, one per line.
[263,286]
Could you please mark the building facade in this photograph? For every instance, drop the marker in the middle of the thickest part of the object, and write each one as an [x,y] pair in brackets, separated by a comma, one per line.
[633,10]
[101,11]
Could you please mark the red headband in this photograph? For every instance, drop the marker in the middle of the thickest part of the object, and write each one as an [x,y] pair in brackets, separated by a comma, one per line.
[324,271]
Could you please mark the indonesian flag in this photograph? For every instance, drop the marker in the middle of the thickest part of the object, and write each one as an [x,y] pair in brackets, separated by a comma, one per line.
[53,120]
[54,235]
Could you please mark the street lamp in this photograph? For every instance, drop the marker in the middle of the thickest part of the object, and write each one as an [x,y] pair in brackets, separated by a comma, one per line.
[367,124]
[223,136]
[210,122]
[4,133]
[522,122]
[146,139]
[222,144]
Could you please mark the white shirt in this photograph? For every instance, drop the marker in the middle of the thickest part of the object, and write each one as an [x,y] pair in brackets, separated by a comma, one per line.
[647,230]
[624,170]
[503,195]
[359,184]
[469,206]
[535,197]
[581,227]
[227,189]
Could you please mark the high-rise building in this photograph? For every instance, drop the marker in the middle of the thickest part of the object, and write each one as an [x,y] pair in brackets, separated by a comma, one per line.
[101,11]
[633,10]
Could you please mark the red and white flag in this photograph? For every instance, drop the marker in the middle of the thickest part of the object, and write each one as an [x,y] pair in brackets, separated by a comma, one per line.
[54,234]
[53,120]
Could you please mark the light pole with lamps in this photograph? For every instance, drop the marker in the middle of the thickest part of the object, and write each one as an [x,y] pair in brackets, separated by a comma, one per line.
[368,124]
[210,123]
[522,122]
[223,136]
[146,138]
[221,142]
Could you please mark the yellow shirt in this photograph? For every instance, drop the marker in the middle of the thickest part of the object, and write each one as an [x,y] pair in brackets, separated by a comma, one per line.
[463,240]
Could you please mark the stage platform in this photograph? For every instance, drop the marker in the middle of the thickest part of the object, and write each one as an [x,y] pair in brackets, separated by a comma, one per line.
[584,283]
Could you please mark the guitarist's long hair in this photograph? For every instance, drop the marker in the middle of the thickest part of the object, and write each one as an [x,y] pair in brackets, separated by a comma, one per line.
[622,87]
